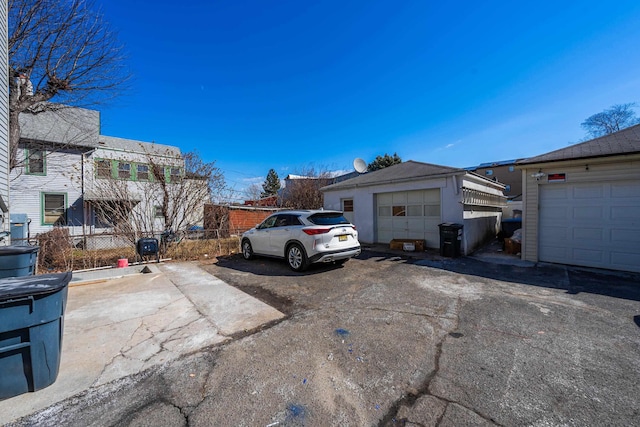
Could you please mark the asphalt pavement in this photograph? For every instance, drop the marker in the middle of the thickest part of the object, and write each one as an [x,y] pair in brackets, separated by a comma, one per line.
[390,338]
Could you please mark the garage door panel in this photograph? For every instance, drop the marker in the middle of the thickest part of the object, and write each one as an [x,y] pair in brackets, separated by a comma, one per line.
[597,225]
[622,191]
[625,213]
[588,255]
[626,235]
[625,260]
[588,191]
[553,233]
[588,213]
[589,234]
[554,193]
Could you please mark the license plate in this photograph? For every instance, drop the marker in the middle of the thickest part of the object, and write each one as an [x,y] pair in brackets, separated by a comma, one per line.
[343,238]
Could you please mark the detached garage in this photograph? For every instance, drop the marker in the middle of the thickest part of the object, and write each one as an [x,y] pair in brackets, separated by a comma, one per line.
[582,204]
[409,201]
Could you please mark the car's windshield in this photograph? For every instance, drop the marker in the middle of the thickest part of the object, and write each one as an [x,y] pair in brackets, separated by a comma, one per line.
[328,218]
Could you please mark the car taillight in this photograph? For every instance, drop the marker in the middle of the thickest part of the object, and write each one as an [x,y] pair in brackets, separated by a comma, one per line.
[314,231]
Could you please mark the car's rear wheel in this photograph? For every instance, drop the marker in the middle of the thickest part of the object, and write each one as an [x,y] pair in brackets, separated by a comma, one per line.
[296,257]
[247,250]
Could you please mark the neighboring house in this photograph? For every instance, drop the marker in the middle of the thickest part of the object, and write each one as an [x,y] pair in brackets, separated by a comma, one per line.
[504,172]
[582,203]
[69,174]
[409,200]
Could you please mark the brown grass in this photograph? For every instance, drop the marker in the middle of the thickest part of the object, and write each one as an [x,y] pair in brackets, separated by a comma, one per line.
[56,256]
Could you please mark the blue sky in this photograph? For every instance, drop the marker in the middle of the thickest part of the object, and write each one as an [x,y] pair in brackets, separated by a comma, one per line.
[294,85]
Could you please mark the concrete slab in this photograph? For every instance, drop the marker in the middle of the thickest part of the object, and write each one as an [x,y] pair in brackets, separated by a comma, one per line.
[230,310]
[119,322]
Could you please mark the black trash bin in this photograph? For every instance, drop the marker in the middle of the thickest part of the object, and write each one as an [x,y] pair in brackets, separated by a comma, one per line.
[31,325]
[148,247]
[450,239]
[18,260]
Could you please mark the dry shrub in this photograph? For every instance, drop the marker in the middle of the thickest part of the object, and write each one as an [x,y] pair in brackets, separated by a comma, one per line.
[190,250]
[55,250]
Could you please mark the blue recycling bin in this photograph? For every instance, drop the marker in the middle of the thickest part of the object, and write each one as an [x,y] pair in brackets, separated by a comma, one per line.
[18,260]
[31,326]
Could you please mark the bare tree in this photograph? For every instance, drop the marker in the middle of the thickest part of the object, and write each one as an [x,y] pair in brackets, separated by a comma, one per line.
[303,191]
[60,53]
[615,118]
[253,192]
[172,198]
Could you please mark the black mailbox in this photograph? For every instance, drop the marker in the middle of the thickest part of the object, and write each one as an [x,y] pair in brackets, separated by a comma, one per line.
[148,247]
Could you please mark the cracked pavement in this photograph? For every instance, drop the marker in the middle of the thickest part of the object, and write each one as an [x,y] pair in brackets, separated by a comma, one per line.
[394,341]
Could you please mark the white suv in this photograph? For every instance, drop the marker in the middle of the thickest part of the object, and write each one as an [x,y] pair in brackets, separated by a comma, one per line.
[303,237]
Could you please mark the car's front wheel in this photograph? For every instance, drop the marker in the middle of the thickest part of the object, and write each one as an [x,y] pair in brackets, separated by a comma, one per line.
[296,257]
[247,250]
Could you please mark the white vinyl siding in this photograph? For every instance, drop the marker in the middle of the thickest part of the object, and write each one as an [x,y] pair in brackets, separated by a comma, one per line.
[4,113]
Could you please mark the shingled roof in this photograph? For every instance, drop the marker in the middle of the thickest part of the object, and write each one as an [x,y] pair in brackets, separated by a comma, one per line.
[626,141]
[406,171]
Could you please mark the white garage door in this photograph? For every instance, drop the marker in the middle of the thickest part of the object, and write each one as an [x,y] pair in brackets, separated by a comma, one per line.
[409,215]
[591,224]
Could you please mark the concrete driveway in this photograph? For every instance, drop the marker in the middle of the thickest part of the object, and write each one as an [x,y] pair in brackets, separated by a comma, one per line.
[392,340]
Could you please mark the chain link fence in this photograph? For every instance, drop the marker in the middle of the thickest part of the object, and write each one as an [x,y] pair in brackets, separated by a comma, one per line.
[63,251]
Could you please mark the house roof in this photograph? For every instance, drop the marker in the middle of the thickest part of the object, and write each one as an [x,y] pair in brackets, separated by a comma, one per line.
[626,141]
[130,145]
[406,171]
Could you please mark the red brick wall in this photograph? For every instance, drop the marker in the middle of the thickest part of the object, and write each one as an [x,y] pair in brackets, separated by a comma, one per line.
[242,220]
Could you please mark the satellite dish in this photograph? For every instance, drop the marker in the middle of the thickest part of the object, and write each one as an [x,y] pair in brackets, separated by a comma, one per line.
[359,165]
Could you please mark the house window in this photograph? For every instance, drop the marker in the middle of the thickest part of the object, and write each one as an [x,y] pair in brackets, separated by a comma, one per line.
[53,208]
[174,174]
[399,211]
[142,172]
[35,162]
[103,168]
[157,212]
[124,170]
[347,205]
[489,172]
[512,168]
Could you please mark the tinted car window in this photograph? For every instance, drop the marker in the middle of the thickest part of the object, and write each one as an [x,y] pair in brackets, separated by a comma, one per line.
[268,223]
[328,218]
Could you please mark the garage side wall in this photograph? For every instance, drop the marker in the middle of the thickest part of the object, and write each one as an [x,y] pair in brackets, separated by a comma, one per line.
[575,172]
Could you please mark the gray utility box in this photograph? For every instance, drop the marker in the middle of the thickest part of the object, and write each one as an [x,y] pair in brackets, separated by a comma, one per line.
[18,260]
[31,324]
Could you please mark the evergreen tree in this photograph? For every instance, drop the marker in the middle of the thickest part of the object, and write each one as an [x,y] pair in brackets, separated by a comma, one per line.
[271,184]
[381,162]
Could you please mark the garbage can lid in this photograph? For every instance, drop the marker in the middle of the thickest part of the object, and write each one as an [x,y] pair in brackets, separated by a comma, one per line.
[450,225]
[17,249]
[16,287]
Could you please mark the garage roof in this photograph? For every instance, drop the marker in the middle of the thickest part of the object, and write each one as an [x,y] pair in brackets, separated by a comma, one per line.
[626,141]
[406,171]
